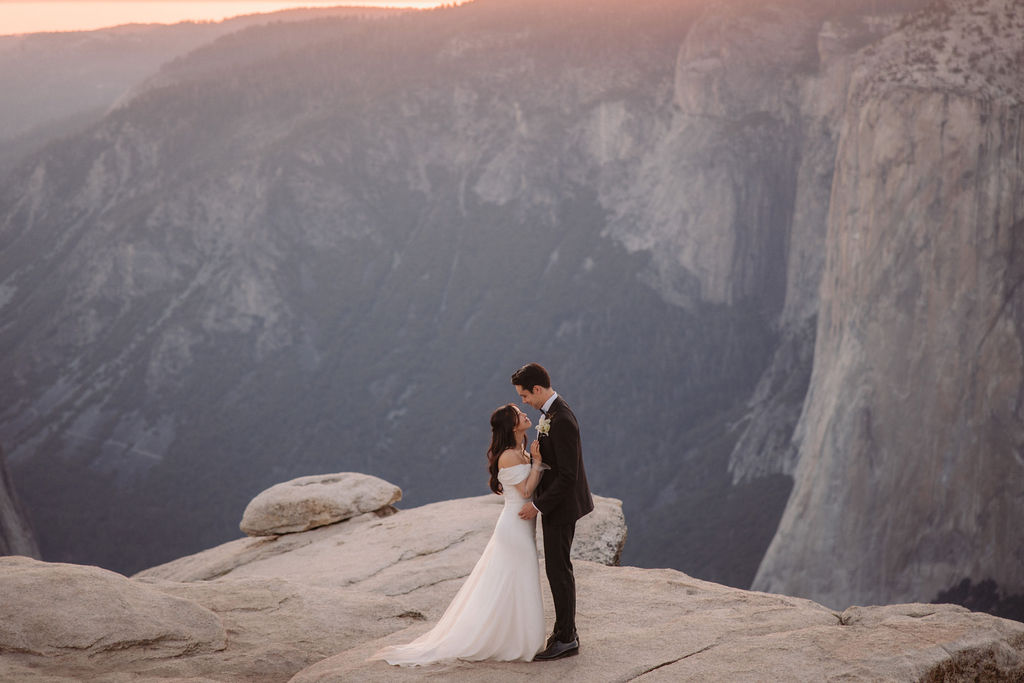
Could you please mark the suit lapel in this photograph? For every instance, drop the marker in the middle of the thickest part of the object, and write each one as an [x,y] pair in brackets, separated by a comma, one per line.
[545,445]
[555,406]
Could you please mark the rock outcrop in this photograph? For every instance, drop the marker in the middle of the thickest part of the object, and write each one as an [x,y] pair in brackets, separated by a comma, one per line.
[253,629]
[308,502]
[77,613]
[912,432]
[387,549]
[311,606]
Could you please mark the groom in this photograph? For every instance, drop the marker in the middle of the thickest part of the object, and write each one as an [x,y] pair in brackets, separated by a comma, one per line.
[562,496]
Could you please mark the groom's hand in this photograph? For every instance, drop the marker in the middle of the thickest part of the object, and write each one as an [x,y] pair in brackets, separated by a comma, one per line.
[528,511]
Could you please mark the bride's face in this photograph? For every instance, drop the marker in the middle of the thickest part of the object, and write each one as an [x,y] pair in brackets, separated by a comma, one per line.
[523,422]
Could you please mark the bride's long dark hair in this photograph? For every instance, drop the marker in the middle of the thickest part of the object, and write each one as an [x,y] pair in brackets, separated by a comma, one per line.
[503,437]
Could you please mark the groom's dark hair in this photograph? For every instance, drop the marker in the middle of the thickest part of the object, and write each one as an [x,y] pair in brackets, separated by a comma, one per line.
[530,376]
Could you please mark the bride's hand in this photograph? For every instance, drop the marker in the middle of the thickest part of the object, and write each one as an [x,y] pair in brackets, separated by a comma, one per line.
[535,451]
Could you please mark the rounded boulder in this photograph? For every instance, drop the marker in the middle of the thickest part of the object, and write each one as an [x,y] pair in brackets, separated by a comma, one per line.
[309,502]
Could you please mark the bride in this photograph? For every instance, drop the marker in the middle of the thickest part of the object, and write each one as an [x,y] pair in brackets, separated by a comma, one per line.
[497,614]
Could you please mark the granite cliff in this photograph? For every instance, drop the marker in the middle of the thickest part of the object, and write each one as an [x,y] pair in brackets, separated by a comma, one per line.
[914,405]
[16,535]
[768,252]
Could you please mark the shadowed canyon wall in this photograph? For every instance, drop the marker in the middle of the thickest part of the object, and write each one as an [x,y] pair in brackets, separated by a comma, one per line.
[16,536]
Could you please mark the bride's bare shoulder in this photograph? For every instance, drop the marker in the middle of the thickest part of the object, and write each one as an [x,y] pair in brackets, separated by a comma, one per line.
[509,457]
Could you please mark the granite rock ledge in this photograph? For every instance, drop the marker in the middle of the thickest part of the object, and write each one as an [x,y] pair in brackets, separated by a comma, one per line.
[312,605]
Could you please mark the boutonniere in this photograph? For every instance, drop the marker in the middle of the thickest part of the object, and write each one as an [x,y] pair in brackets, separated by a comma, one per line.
[543,426]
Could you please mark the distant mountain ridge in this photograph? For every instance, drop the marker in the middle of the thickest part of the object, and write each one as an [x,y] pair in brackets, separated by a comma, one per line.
[56,84]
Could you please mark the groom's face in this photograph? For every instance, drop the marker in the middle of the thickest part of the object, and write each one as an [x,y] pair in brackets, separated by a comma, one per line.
[530,398]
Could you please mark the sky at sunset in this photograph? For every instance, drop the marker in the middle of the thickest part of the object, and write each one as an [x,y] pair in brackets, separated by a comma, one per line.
[80,15]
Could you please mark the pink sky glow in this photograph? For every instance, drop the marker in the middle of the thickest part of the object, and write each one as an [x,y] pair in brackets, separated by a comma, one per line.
[18,16]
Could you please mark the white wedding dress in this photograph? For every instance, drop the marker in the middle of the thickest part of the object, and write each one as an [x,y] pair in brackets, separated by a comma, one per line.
[498,613]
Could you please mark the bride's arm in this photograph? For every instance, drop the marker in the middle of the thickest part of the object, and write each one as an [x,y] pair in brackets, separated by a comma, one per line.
[527,486]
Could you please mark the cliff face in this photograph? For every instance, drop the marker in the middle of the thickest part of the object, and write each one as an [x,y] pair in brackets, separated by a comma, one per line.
[911,435]
[713,198]
[810,86]
[16,537]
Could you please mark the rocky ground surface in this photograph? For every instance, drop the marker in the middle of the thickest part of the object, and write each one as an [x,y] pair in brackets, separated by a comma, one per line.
[313,605]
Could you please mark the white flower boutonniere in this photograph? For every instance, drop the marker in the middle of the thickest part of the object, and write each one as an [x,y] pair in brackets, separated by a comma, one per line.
[543,426]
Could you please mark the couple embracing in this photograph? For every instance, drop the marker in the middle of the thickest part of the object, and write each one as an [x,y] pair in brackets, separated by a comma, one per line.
[498,613]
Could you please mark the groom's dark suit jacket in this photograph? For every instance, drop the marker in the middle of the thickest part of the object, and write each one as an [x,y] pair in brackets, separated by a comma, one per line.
[562,494]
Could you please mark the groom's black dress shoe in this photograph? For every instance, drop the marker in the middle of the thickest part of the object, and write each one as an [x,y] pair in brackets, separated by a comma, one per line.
[557,649]
[553,638]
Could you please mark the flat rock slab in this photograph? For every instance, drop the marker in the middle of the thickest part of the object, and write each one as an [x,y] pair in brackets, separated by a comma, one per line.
[314,501]
[661,625]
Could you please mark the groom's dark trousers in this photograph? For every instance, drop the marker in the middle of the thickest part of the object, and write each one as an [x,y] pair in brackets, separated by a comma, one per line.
[558,566]
[562,498]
